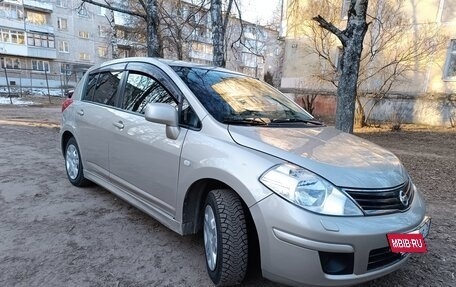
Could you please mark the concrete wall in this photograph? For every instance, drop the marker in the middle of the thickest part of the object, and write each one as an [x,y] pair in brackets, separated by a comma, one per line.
[428,109]
[433,110]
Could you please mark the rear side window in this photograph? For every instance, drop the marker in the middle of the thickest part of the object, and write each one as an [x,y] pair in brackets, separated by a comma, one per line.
[105,89]
[91,85]
[142,89]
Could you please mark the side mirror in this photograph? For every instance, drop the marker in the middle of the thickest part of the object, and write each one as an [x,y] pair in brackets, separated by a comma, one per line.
[164,114]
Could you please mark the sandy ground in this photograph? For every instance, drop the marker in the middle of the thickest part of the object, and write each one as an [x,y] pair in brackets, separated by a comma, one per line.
[54,234]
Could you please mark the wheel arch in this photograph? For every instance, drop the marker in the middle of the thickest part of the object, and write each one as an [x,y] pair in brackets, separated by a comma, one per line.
[66,135]
[193,209]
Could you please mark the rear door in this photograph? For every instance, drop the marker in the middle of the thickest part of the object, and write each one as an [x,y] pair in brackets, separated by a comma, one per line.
[143,161]
[94,118]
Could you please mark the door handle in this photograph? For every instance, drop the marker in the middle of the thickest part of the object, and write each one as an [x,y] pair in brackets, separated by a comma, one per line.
[119,125]
[80,112]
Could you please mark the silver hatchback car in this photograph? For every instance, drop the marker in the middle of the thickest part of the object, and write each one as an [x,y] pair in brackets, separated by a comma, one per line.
[203,148]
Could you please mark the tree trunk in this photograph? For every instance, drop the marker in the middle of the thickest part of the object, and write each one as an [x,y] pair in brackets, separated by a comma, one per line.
[353,46]
[360,118]
[153,43]
[218,37]
[352,40]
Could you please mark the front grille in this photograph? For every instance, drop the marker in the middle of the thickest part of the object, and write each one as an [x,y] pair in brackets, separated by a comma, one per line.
[381,201]
[382,257]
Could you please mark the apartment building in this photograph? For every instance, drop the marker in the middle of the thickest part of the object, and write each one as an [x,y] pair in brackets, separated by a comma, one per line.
[49,42]
[53,42]
[250,48]
[424,92]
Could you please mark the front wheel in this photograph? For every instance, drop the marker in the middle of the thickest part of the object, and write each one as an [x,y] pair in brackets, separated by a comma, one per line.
[225,238]
[73,164]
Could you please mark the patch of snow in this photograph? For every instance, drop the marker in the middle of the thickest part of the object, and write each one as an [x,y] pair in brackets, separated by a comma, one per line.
[16,101]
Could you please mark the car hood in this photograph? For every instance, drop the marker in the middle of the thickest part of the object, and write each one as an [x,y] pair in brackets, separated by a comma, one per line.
[343,159]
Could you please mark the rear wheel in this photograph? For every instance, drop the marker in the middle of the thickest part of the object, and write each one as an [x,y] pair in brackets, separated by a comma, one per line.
[225,237]
[73,164]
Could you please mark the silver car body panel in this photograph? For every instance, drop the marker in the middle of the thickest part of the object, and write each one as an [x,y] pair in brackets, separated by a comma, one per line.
[341,158]
[290,242]
[138,163]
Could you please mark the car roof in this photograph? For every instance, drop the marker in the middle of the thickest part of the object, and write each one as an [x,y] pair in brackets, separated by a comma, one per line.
[167,62]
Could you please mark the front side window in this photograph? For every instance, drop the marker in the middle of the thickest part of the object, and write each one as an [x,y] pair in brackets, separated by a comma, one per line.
[142,89]
[237,99]
[106,88]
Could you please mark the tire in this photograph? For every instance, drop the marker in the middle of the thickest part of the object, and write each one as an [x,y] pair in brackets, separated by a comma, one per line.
[227,264]
[73,164]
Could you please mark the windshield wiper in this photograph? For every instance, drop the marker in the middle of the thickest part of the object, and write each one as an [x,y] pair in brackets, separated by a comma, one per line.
[244,121]
[310,121]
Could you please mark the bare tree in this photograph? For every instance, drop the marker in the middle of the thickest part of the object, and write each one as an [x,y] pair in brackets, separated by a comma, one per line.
[392,50]
[182,22]
[219,25]
[150,15]
[352,38]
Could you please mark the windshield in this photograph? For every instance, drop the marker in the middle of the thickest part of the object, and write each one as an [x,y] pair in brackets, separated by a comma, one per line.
[238,99]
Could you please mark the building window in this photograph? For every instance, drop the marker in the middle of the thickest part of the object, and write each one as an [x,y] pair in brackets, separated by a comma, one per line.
[250,60]
[449,11]
[11,11]
[121,34]
[344,10]
[123,53]
[84,56]
[65,69]
[102,31]
[338,62]
[64,47]
[62,3]
[84,34]
[450,68]
[102,52]
[62,23]
[40,40]
[36,18]
[12,36]
[40,65]
[11,63]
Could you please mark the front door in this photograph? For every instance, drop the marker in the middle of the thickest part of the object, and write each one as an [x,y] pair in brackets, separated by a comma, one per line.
[143,161]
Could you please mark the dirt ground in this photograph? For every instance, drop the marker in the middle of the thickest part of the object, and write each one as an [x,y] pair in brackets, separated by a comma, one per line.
[54,234]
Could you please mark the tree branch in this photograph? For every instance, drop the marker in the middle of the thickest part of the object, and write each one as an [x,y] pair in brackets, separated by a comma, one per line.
[331,28]
[117,9]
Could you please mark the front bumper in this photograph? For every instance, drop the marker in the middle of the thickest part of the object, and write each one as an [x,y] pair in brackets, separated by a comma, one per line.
[292,240]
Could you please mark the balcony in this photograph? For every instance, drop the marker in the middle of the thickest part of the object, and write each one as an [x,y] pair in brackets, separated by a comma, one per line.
[39,28]
[27,51]
[17,24]
[41,52]
[13,49]
[39,6]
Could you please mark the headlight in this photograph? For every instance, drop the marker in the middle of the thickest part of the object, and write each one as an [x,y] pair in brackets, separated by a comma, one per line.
[308,190]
